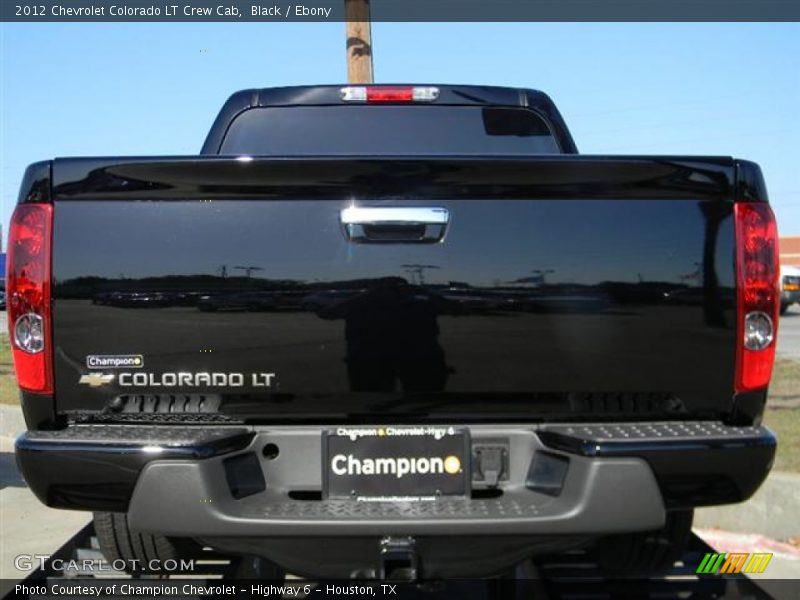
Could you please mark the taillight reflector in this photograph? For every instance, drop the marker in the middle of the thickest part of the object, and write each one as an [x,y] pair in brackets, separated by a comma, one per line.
[389,94]
[28,296]
[758,297]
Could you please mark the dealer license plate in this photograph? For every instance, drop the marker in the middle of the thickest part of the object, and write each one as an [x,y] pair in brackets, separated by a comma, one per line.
[395,463]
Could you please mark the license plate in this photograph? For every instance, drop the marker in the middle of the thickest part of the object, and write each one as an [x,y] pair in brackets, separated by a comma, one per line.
[402,463]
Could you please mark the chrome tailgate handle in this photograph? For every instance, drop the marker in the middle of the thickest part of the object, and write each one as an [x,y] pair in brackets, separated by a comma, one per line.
[394,224]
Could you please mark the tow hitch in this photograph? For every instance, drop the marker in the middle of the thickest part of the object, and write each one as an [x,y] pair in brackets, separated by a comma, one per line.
[398,559]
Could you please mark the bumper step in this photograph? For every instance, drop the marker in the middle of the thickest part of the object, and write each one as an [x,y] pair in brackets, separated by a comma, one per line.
[95,467]
[166,436]
[697,463]
[598,438]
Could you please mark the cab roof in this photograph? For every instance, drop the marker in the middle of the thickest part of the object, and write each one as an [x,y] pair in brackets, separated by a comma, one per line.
[330,95]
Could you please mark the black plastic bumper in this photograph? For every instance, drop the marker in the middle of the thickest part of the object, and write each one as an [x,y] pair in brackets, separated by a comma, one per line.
[95,467]
[697,463]
[213,481]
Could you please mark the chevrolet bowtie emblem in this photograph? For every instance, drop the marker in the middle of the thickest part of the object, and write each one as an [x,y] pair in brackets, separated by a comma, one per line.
[96,379]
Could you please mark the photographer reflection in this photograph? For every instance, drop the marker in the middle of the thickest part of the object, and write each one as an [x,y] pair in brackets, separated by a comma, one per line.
[392,336]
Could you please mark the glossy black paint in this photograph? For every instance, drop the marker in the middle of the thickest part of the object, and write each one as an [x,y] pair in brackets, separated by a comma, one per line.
[750,185]
[96,472]
[36,185]
[329,95]
[39,411]
[557,276]
[552,177]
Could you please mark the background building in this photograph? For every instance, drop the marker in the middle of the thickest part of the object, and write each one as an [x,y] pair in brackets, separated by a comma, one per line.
[790,250]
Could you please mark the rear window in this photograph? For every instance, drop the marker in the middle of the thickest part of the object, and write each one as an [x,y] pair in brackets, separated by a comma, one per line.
[388,130]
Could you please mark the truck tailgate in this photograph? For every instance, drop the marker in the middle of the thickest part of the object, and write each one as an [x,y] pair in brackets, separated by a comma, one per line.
[562,286]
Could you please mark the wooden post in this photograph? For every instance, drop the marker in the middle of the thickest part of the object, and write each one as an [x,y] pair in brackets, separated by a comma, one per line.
[359,41]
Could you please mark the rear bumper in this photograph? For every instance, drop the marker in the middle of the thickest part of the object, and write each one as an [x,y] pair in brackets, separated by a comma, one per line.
[214,482]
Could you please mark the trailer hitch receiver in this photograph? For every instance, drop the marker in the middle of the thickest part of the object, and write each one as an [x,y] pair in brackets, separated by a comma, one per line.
[398,559]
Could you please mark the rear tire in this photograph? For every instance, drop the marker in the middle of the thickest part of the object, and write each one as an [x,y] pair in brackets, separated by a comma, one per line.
[118,543]
[784,307]
[646,553]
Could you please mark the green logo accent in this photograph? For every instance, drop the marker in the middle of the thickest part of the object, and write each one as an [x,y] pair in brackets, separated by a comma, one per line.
[711,563]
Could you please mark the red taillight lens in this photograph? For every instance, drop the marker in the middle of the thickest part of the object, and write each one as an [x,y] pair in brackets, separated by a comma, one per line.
[758,294]
[28,296]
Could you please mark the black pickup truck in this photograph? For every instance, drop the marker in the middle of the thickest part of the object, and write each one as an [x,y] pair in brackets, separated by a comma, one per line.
[393,331]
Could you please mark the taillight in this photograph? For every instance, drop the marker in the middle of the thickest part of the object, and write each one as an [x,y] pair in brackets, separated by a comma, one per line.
[28,296]
[389,94]
[758,299]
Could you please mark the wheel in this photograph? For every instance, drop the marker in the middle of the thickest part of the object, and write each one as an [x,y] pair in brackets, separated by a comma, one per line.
[141,552]
[645,553]
[784,307]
